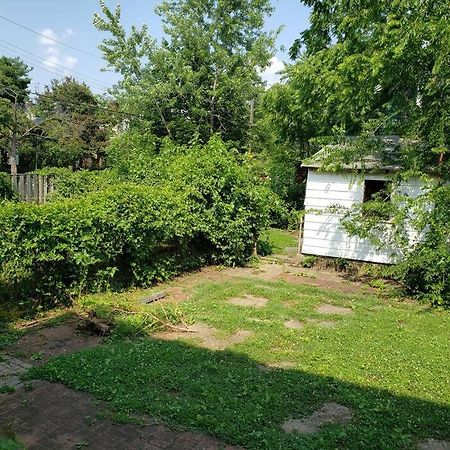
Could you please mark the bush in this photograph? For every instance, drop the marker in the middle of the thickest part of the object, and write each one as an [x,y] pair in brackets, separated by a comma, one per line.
[68,183]
[200,206]
[425,271]
[6,191]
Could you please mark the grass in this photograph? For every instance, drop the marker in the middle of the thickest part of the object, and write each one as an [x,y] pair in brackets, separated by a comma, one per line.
[387,361]
[278,239]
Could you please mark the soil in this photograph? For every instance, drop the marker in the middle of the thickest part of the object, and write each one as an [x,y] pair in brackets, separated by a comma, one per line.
[333,309]
[41,344]
[327,414]
[293,324]
[249,300]
[206,335]
[322,323]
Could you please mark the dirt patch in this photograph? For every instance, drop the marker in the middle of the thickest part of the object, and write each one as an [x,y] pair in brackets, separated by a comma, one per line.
[249,300]
[322,323]
[41,344]
[294,324]
[434,444]
[328,414]
[326,308]
[276,365]
[323,279]
[52,416]
[266,272]
[206,335]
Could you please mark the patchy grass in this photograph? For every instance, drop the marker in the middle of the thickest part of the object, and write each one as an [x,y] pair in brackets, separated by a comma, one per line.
[278,239]
[387,361]
[129,317]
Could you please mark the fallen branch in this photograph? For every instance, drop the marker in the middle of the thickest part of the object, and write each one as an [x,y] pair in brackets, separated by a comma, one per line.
[156,320]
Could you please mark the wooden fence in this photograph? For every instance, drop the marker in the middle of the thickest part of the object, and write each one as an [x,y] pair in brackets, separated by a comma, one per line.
[32,187]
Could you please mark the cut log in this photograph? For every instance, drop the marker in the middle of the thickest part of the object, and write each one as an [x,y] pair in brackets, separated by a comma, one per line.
[94,325]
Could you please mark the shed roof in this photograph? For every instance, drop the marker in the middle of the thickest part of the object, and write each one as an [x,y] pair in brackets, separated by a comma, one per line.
[386,157]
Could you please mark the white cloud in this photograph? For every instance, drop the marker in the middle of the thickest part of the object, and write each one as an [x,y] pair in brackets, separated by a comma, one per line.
[55,58]
[48,38]
[52,61]
[271,74]
[68,32]
[70,62]
[50,50]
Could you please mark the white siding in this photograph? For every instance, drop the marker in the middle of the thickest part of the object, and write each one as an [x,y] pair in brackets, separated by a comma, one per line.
[323,234]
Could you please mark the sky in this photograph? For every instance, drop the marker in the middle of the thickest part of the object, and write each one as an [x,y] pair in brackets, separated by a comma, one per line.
[70,23]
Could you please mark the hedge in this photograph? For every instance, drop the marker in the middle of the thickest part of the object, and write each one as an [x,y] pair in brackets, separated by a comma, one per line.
[204,207]
[6,191]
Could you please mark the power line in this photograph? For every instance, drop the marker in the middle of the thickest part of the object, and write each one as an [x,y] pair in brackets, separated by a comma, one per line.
[49,38]
[34,56]
[53,71]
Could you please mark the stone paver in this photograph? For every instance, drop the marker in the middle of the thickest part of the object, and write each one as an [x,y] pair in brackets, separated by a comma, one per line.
[51,416]
[434,444]
[10,371]
[328,413]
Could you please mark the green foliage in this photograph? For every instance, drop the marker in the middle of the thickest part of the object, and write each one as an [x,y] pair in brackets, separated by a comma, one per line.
[423,267]
[6,191]
[132,154]
[75,125]
[197,206]
[14,78]
[425,270]
[15,123]
[381,67]
[69,183]
[200,79]
[309,261]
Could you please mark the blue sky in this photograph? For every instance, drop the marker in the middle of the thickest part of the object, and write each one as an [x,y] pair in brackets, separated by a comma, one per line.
[71,23]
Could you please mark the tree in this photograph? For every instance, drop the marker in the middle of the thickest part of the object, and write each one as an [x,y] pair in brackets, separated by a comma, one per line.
[203,76]
[15,123]
[376,67]
[74,123]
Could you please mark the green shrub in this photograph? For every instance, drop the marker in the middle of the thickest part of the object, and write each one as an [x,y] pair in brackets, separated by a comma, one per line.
[200,206]
[68,183]
[425,270]
[423,267]
[6,191]
[309,261]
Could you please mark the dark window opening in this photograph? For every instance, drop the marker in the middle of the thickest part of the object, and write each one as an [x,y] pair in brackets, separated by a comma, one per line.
[376,190]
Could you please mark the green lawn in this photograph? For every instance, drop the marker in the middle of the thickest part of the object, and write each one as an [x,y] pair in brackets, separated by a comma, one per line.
[279,239]
[387,361]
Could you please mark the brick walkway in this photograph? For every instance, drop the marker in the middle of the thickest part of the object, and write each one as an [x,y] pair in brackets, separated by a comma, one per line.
[51,416]
[10,371]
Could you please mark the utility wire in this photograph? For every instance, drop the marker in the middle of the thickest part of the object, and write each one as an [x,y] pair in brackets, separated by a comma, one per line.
[53,71]
[97,81]
[51,39]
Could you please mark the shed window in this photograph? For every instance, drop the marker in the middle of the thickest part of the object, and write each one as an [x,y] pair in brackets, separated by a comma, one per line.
[376,189]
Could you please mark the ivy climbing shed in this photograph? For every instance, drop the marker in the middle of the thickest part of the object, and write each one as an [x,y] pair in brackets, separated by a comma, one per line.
[330,192]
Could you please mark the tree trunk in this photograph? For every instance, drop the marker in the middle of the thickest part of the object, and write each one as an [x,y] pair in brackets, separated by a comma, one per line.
[13,154]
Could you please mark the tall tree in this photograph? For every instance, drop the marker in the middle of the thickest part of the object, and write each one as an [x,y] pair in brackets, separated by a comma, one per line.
[203,76]
[15,123]
[375,67]
[74,123]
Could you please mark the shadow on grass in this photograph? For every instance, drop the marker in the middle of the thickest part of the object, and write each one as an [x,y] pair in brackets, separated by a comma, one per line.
[227,395]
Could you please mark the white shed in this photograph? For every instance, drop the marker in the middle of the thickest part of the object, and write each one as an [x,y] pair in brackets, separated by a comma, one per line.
[323,235]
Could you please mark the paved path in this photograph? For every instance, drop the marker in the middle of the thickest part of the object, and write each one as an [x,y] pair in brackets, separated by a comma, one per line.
[10,371]
[51,416]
